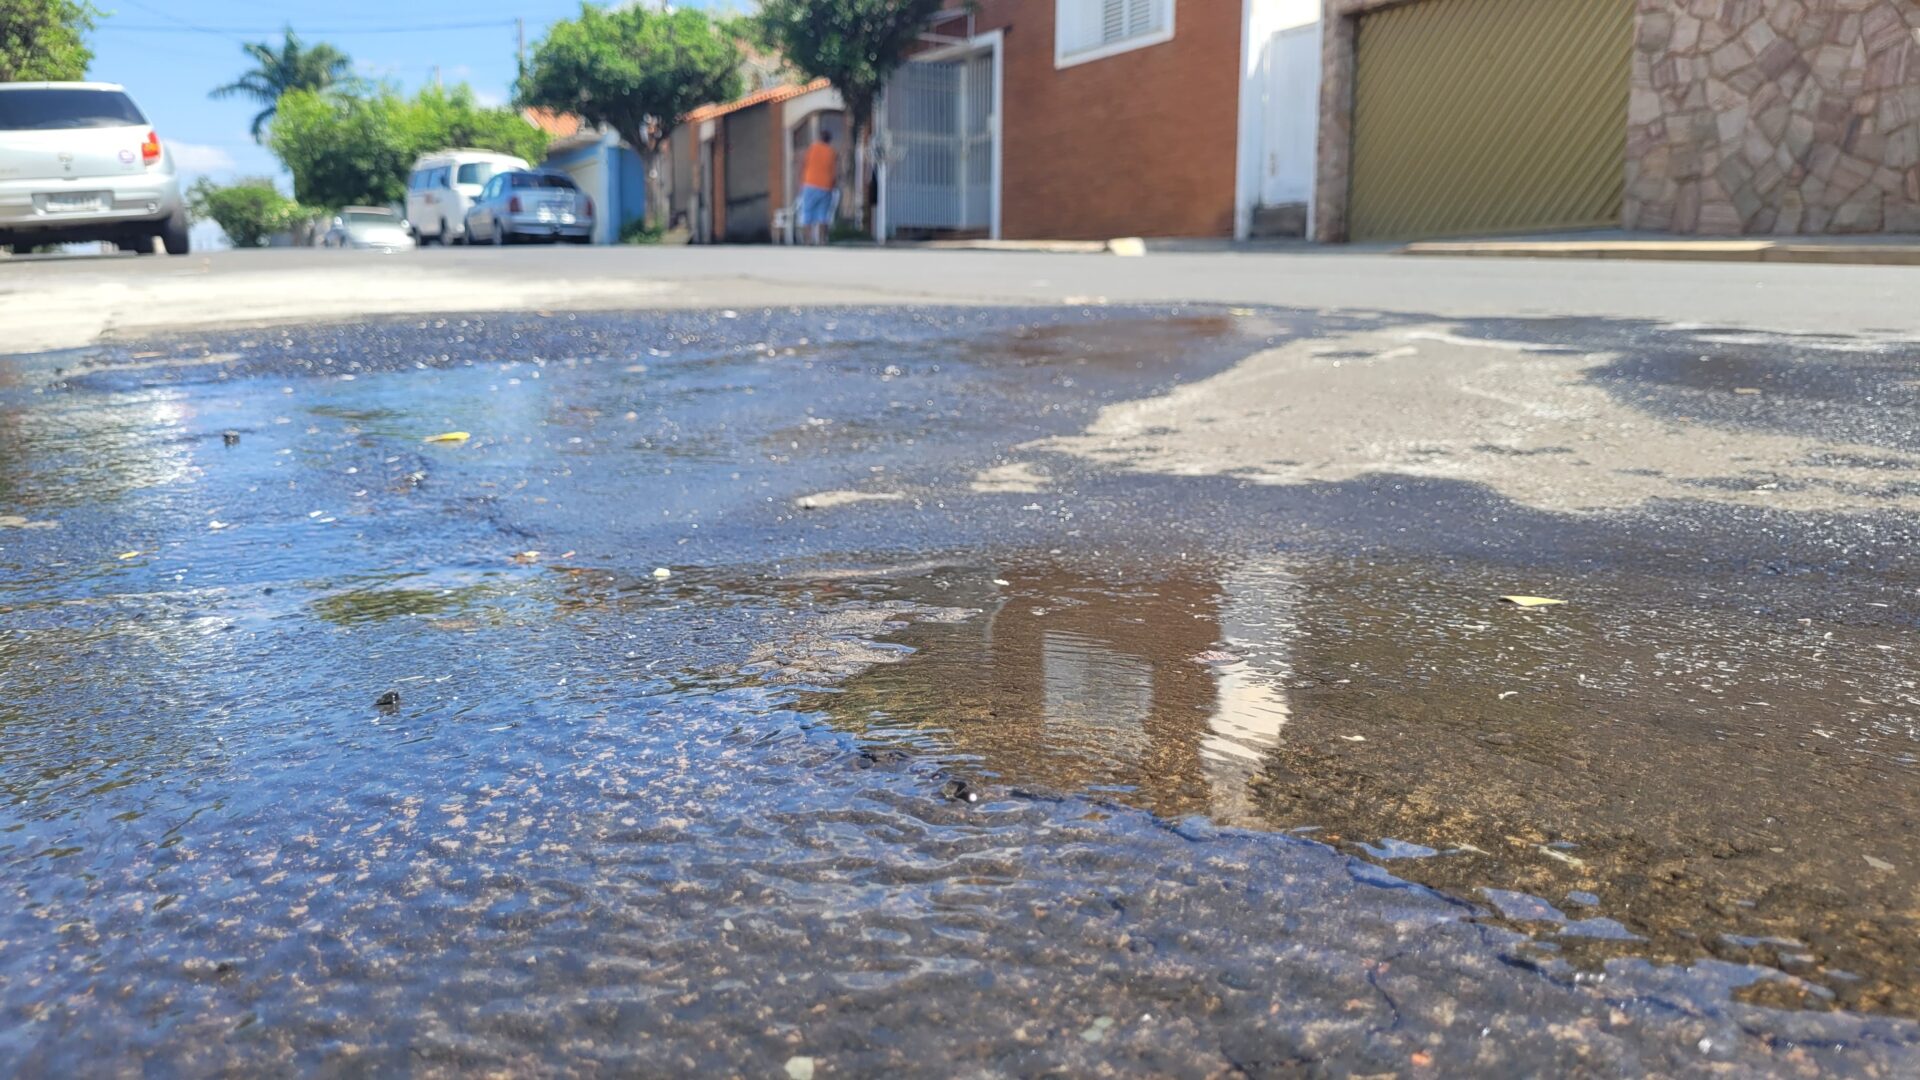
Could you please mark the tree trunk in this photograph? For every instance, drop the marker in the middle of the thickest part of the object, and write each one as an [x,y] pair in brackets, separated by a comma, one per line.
[657,214]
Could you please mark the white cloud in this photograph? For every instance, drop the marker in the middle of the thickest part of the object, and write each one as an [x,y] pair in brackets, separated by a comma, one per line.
[199,158]
[491,99]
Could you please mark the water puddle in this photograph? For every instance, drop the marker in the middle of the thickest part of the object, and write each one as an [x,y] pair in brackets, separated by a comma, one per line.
[584,743]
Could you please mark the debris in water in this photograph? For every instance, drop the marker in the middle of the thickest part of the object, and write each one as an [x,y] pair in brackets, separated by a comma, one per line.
[216,524]
[1532,601]
[230,438]
[1097,1030]
[661,573]
[799,1068]
[526,557]
[125,555]
[1746,389]
[1354,738]
[449,437]
[1215,657]
[959,791]
[388,701]
[1878,864]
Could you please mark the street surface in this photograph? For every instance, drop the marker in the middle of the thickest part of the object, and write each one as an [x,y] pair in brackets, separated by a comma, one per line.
[919,663]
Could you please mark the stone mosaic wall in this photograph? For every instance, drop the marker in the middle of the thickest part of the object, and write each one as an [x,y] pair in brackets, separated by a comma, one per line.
[1775,116]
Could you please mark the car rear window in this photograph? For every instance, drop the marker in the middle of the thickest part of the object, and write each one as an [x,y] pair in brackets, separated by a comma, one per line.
[53,109]
[539,180]
[371,217]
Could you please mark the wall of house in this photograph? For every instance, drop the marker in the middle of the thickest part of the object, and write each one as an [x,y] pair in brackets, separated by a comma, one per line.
[1138,144]
[1774,116]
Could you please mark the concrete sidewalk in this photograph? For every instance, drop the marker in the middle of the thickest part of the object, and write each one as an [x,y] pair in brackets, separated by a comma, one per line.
[1833,251]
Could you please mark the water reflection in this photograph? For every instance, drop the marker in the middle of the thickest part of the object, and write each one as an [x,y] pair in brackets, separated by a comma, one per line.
[1681,769]
[1145,689]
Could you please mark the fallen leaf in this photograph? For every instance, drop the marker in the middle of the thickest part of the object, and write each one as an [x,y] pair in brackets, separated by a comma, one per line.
[662,573]
[129,555]
[1878,864]
[1421,1059]
[1532,601]
[449,437]
[526,557]
[1746,389]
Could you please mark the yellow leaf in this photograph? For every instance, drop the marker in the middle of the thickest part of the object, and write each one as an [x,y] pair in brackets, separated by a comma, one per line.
[1532,601]
[449,436]
[129,555]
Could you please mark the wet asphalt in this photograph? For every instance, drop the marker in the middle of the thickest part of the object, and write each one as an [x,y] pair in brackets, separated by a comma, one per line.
[581,746]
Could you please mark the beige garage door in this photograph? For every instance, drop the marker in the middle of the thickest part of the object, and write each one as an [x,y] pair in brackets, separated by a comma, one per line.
[1489,116]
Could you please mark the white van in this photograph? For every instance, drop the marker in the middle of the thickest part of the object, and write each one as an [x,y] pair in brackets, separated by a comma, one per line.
[442,187]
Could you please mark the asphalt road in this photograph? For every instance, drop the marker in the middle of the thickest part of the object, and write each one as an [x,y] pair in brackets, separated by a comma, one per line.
[1103,670]
[63,301]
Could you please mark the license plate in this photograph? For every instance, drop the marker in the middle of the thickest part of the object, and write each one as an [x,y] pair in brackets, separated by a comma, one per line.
[67,202]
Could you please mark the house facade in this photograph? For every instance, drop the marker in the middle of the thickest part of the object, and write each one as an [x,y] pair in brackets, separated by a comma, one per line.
[741,161]
[1717,117]
[1090,119]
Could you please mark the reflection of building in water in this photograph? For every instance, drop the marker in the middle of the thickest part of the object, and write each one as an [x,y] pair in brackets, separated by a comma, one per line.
[1074,683]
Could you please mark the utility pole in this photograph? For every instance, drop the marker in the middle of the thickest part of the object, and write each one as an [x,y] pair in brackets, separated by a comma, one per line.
[437,85]
[520,32]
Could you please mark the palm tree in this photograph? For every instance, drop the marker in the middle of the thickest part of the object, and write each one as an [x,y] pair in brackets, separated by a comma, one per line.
[294,67]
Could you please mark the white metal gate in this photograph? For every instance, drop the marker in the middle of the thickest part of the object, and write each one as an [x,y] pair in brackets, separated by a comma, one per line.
[1292,115]
[939,120]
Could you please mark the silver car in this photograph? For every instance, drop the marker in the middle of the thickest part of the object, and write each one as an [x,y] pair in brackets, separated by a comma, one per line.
[368,228]
[79,162]
[530,205]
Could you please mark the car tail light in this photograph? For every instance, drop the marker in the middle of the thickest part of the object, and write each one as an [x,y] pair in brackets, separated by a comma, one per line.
[513,205]
[589,206]
[150,150]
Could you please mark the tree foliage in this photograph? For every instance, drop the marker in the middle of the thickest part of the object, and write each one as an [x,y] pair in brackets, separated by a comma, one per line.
[854,44]
[356,149]
[248,211]
[634,71]
[295,66]
[45,40]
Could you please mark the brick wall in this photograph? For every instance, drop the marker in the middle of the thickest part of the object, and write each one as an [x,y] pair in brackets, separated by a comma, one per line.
[1774,116]
[1139,144]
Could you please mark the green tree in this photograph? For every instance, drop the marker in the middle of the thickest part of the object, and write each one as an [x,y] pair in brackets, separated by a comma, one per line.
[634,71]
[356,149]
[45,40]
[855,45]
[295,66]
[248,211]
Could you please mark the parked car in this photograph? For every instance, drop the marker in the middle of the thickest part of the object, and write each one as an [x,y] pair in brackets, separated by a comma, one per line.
[80,162]
[443,186]
[368,228]
[528,205]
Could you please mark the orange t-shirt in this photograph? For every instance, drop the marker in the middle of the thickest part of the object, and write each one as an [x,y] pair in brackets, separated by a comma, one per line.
[821,168]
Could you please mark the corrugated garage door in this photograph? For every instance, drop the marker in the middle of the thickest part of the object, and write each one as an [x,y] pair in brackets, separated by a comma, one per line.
[1487,116]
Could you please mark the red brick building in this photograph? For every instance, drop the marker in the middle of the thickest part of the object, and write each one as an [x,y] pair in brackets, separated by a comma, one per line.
[1090,119]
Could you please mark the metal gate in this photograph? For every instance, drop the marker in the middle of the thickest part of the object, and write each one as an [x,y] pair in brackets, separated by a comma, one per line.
[939,145]
[1487,116]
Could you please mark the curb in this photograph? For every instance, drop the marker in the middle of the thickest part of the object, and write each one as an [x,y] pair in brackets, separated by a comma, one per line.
[1740,251]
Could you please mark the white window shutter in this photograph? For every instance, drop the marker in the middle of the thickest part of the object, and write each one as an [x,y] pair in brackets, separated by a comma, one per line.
[1140,17]
[1113,20]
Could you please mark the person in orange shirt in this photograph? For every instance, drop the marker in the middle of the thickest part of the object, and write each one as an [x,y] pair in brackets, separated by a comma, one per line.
[818,178]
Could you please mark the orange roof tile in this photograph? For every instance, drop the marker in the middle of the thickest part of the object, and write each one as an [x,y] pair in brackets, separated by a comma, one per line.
[760,97]
[557,124]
